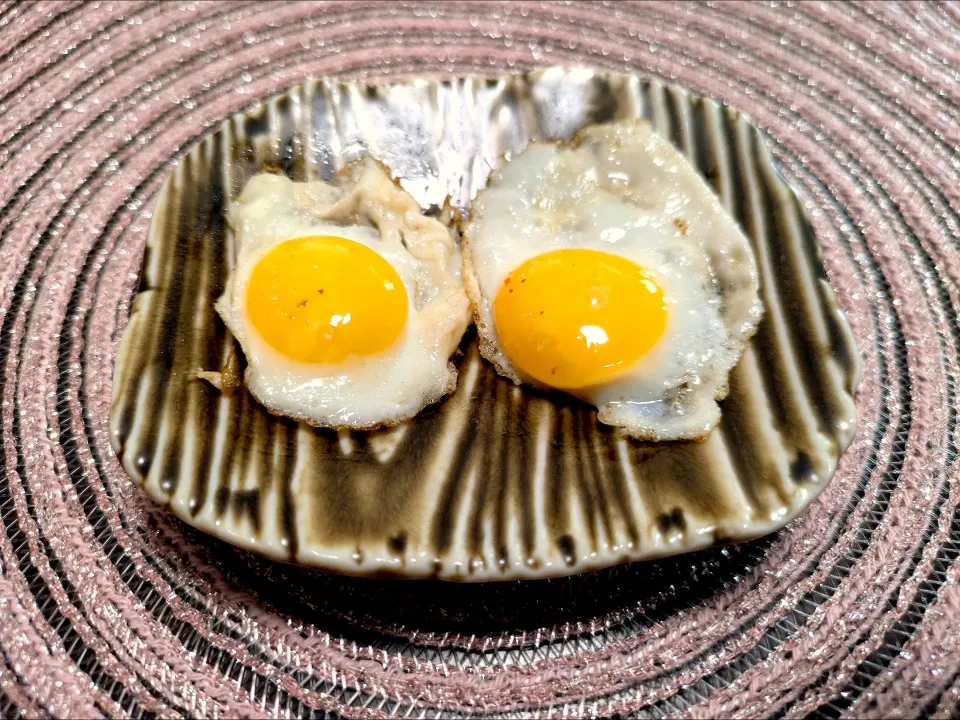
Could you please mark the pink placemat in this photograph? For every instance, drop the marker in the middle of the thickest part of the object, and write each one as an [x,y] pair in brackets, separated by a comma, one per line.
[110,607]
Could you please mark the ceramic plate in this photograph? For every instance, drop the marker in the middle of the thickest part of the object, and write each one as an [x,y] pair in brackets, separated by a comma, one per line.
[494,482]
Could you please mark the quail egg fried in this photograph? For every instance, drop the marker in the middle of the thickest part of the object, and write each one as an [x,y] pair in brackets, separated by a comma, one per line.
[607,269]
[346,300]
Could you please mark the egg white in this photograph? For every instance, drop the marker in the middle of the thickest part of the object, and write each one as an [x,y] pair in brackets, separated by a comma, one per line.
[367,208]
[623,190]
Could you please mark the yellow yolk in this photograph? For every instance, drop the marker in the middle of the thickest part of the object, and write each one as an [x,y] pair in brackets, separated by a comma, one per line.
[324,299]
[574,318]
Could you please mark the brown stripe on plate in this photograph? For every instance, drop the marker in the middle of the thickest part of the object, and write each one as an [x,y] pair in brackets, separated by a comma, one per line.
[495,481]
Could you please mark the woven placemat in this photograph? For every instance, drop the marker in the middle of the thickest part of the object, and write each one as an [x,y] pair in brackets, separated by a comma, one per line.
[110,607]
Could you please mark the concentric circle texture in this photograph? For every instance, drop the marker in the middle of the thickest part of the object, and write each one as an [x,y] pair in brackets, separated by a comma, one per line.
[110,607]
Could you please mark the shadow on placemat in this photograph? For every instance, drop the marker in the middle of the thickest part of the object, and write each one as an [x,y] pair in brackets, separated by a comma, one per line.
[363,609]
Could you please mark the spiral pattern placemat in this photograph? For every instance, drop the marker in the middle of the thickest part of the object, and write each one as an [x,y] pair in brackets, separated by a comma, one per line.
[108,606]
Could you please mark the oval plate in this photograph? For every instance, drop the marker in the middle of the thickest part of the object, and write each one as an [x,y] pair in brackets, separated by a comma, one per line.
[495,482]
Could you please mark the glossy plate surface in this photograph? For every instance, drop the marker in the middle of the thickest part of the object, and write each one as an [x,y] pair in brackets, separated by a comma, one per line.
[495,482]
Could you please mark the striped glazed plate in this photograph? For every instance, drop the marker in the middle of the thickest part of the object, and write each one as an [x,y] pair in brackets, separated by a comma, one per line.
[494,482]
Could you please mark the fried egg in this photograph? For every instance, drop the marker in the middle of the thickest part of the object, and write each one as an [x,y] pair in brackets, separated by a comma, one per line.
[607,269]
[346,300]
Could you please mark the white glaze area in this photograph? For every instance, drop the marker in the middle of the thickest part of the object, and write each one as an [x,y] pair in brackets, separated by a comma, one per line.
[627,192]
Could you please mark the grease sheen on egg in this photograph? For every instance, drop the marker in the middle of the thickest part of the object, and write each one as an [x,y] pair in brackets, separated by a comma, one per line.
[574,318]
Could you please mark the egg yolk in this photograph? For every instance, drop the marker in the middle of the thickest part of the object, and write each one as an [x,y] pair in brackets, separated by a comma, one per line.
[324,299]
[574,318]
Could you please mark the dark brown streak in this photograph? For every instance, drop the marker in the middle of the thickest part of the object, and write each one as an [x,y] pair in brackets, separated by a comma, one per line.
[840,350]
[442,523]
[745,447]
[594,475]
[674,117]
[581,478]
[556,477]
[126,384]
[499,481]
[705,160]
[662,130]
[520,441]
[606,104]
[789,286]
[606,469]
[232,439]
[256,123]
[572,475]
[509,481]
[242,410]
[646,95]
[486,428]
[243,160]
[208,342]
[265,429]
[770,355]
[159,353]
[248,502]
[286,140]
[568,549]
[644,457]
[618,486]
[287,510]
